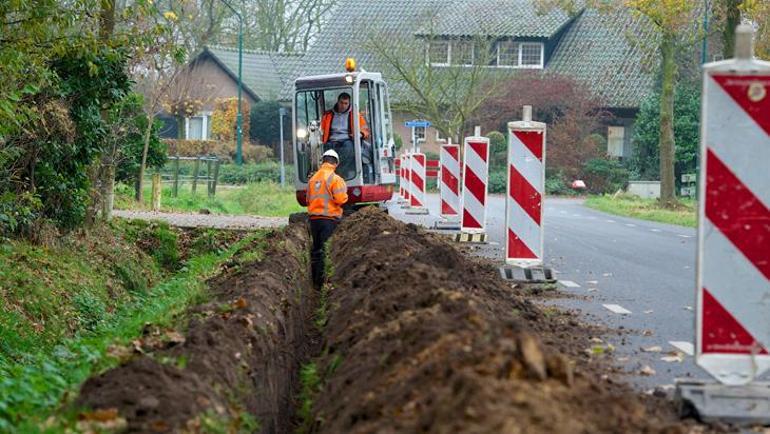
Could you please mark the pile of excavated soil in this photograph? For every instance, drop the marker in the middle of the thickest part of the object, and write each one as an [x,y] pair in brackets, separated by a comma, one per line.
[241,352]
[421,339]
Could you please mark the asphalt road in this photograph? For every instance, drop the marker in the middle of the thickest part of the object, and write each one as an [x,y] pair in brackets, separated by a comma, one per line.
[644,268]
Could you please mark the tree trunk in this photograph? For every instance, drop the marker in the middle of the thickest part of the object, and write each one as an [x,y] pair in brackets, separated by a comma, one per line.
[667,145]
[732,19]
[143,166]
[108,190]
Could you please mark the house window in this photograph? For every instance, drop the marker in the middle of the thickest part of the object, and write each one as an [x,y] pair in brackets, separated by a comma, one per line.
[531,55]
[198,127]
[508,53]
[419,134]
[462,53]
[438,53]
[511,54]
[615,139]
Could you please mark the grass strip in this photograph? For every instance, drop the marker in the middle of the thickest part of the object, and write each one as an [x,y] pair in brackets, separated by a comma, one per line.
[35,388]
[684,214]
[266,199]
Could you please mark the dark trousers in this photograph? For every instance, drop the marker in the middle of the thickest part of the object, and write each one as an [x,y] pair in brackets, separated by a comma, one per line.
[321,230]
[347,152]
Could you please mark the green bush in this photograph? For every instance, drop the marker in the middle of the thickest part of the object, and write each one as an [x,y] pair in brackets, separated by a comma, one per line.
[498,151]
[556,186]
[605,176]
[18,211]
[497,181]
[128,116]
[645,163]
[251,173]
[265,123]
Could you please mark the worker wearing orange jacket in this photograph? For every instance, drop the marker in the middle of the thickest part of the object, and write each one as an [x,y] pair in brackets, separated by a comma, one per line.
[337,129]
[326,193]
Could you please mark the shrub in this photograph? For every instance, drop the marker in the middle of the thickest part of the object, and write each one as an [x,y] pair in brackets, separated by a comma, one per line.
[556,186]
[498,150]
[570,109]
[645,162]
[128,126]
[265,124]
[248,173]
[605,176]
[225,150]
[497,181]
[224,120]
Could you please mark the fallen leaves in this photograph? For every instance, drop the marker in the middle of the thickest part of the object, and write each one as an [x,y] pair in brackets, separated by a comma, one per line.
[101,420]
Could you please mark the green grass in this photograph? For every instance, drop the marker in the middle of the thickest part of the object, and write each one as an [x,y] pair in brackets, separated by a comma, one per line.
[43,374]
[51,293]
[265,199]
[685,214]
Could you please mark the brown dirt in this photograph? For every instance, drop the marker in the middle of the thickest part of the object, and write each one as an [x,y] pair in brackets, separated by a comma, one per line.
[241,352]
[425,340]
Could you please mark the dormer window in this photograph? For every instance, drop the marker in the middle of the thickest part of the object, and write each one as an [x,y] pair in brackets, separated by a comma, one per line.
[462,53]
[507,53]
[513,54]
[438,53]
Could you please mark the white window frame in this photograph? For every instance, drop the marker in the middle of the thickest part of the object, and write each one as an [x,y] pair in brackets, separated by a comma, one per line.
[621,134]
[448,53]
[520,52]
[206,116]
[473,52]
[521,55]
[420,134]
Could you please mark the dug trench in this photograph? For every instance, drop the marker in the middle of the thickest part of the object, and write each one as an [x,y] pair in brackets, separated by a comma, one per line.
[409,335]
[235,367]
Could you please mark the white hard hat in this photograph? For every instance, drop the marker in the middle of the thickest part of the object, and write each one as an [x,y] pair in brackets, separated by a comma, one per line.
[331,153]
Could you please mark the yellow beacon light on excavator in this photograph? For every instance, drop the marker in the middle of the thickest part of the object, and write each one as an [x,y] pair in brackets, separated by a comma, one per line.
[350,64]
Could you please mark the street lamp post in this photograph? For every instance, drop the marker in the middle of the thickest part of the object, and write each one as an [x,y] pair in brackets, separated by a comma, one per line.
[281,113]
[239,121]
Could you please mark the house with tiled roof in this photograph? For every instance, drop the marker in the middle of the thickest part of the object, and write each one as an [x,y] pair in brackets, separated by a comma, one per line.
[213,74]
[591,47]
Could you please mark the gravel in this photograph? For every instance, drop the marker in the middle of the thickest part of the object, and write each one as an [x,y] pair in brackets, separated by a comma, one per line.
[216,221]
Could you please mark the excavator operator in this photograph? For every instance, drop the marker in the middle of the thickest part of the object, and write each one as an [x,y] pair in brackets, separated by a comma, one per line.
[337,128]
[326,194]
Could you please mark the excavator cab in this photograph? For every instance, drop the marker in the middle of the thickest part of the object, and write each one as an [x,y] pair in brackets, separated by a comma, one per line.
[368,167]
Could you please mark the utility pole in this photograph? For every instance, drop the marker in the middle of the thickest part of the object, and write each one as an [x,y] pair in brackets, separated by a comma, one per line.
[239,128]
[281,114]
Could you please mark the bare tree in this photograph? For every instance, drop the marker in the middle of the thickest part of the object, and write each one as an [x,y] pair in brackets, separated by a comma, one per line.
[277,25]
[446,86]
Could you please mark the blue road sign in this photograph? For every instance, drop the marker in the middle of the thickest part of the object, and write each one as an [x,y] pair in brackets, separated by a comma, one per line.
[417,124]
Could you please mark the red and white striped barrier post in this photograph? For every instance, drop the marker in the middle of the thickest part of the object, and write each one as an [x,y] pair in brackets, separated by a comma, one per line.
[525,192]
[449,183]
[417,179]
[406,179]
[474,196]
[400,173]
[732,319]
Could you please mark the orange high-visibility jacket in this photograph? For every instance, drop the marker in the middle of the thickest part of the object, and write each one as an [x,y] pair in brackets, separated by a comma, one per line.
[326,125]
[326,193]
